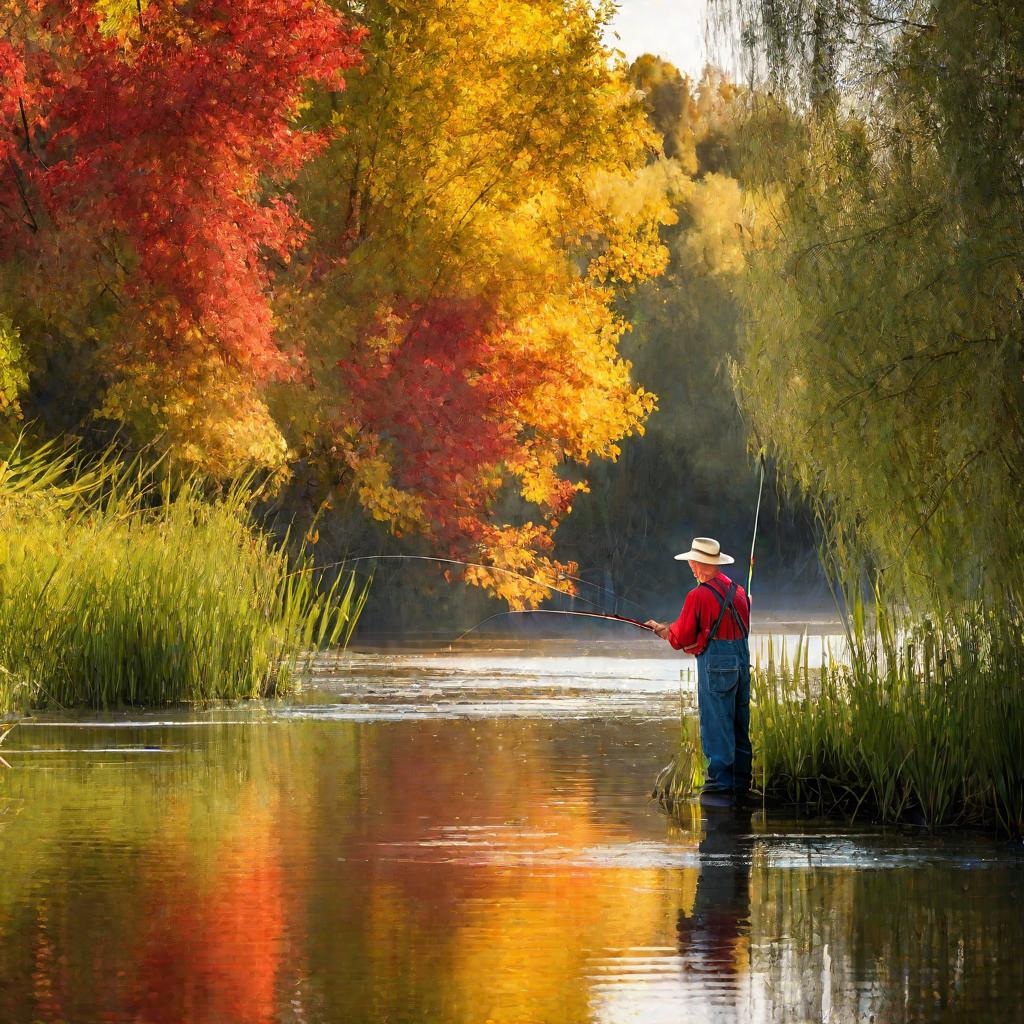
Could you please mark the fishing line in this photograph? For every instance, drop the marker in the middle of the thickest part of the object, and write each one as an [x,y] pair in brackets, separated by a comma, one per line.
[532,579]
[488,568]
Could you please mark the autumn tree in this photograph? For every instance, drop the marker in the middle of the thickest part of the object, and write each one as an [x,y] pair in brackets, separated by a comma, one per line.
[141,147]
[385,257]
[456,293]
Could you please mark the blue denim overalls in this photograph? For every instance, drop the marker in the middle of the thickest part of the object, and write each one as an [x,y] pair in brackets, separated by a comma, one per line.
[723,701]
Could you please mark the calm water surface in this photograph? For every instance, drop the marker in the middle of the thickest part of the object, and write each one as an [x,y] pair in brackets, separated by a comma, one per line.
[465,837]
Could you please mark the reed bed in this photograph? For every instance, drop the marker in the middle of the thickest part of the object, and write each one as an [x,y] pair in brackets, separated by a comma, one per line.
[116,589]
[683,776]
[921,724]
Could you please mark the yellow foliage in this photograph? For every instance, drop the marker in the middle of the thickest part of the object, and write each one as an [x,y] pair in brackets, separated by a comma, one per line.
[715,242]
[518,548]
[633,206]
[372,473]
[208,416]
[492,149]
[727,223]
[13,377]
[120,17]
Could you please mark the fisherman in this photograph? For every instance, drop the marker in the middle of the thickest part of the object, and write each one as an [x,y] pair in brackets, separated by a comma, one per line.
[714,625]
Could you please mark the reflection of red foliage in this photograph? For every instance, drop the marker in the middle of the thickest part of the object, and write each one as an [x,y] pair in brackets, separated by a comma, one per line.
[448,397]
[216,957]
[161,141]
[49,973]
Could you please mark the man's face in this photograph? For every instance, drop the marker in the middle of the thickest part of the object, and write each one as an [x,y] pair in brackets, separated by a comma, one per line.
[701,571]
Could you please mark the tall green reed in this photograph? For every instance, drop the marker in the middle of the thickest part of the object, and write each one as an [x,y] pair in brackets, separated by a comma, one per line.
[684,774]
[920,720]
[117,588]
[912,721]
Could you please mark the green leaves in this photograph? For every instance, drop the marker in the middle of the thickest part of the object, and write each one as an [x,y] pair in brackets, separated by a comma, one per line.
[883,357]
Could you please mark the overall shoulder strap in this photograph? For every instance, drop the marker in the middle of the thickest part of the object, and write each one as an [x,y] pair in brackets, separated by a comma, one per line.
[726,602]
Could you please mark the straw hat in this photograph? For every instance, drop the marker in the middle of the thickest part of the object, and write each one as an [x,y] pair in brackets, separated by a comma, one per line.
[706,550]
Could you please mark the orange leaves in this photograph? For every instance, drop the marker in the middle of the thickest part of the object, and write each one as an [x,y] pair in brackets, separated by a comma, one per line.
[525,550]
[448,405]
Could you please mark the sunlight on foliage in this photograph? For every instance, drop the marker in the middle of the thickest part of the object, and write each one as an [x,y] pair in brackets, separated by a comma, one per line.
[13,376]
[471,230]
[204,415]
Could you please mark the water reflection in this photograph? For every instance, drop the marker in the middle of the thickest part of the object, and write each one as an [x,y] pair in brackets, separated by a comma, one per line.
[713,934]
[299,869]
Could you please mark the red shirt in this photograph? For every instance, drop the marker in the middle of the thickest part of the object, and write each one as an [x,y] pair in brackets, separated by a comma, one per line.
[700,612]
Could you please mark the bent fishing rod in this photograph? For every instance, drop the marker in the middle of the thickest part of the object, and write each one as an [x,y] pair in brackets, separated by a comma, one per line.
[623,618]
[608,616]
[488,568]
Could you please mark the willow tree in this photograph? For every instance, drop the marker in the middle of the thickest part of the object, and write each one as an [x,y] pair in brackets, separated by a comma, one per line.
[882,356]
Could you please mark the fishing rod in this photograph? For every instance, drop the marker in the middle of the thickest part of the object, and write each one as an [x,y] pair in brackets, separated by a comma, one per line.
[608,616]
[556,611]
[753,538]
[488,568]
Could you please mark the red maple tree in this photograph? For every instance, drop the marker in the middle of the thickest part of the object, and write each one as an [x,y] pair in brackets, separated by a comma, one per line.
[446,398]
[140,161]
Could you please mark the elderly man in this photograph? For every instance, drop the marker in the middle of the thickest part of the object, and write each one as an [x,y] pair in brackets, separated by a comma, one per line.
[714,625]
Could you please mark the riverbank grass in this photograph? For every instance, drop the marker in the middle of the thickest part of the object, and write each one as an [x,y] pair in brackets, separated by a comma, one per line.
[116,590]
[921,724]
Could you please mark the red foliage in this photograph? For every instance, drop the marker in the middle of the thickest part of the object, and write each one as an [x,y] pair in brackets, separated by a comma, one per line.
[12,79]
[448,400]
[161,145]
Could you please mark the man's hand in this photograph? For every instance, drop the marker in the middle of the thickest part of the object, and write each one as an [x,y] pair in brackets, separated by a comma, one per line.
[658,628]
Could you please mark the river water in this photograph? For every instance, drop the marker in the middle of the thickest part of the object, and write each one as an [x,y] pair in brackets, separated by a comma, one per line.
[465,837]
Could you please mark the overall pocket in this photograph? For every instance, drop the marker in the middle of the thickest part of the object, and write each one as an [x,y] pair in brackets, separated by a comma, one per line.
[723,672]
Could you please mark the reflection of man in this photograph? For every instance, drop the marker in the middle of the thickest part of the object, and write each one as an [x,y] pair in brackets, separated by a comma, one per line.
[710,935]
[714,625]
